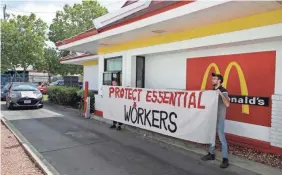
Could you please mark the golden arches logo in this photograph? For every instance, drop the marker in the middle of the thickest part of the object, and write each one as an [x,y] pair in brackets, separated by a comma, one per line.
[243,84]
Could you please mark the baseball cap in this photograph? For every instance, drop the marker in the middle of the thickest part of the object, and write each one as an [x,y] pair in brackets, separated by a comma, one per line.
[220,77]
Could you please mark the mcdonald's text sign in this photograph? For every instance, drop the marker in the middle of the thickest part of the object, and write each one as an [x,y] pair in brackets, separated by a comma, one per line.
[248,77]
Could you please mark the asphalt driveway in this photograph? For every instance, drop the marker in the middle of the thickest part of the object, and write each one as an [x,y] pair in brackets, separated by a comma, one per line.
[77,146]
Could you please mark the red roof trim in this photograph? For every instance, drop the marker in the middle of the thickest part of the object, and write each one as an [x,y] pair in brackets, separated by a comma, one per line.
[71,57]
[93,31]
[80,36]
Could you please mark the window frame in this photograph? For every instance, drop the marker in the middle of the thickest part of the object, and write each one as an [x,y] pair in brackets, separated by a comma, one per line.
[112,58]
[113,71]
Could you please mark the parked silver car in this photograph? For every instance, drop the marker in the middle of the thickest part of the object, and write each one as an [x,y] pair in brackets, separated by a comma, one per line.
[23,95]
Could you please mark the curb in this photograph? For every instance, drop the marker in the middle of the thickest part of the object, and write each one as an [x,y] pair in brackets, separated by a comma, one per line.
[37,158]
[201,150]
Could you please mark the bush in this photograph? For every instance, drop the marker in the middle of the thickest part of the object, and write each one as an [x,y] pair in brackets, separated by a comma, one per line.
[63,95]
[69,96]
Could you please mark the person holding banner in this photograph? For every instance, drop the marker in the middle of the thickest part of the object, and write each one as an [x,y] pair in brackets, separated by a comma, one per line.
[114,83]
[223,103]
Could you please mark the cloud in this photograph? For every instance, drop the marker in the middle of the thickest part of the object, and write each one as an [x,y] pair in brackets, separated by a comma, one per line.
[46,10]
[42,10]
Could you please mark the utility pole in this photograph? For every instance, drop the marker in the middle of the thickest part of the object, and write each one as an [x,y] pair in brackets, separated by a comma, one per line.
[4,11]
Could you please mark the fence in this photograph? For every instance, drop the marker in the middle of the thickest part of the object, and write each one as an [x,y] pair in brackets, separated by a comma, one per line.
[20,77]
[7,78]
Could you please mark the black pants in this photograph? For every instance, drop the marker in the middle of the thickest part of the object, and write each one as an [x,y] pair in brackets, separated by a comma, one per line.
[114,122]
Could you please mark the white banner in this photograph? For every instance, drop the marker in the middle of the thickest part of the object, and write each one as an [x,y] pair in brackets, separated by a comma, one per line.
[188,115]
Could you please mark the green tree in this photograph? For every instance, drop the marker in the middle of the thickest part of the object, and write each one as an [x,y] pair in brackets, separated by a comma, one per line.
[51,64]
[74,20]
[9,40]
[23,40]
[71,21]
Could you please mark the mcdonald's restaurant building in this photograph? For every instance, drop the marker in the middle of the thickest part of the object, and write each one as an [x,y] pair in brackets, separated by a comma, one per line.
[177,44]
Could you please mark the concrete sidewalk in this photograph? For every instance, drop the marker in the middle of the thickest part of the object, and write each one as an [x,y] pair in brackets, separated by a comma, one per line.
[73,145]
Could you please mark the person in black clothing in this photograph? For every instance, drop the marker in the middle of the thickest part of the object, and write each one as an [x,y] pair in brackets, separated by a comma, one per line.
[223,104]
[114,83]
[114,125]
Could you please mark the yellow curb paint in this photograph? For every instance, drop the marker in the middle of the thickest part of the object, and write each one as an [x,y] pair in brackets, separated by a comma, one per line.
[253,21]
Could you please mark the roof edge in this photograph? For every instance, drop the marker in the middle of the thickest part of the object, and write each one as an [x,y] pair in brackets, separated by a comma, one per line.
[72,57]
[121,13]
[127,3]
[79,36]
[94,31]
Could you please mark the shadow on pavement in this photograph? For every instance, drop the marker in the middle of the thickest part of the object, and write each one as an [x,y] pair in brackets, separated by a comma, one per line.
[4,108]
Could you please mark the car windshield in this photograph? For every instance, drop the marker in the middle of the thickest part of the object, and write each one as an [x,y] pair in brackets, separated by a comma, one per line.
[24,87]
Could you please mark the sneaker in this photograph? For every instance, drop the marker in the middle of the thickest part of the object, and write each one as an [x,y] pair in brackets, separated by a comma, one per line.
[118,128]
[224,163]
[209,156]
[113,126]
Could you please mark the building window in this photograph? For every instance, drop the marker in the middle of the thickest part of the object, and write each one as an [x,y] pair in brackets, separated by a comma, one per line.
[113,64]
[112,70]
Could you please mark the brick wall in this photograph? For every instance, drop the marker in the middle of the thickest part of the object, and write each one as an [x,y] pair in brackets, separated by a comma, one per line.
[276,121]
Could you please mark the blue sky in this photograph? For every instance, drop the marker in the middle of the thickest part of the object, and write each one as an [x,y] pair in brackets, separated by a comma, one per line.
[46,9]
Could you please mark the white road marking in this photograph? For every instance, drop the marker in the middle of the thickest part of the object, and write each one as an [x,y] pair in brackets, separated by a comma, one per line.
[52,112]
[29,114]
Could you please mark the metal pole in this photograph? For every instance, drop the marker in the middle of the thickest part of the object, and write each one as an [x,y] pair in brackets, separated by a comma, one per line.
[4,11]
[87,113]
[85,97]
